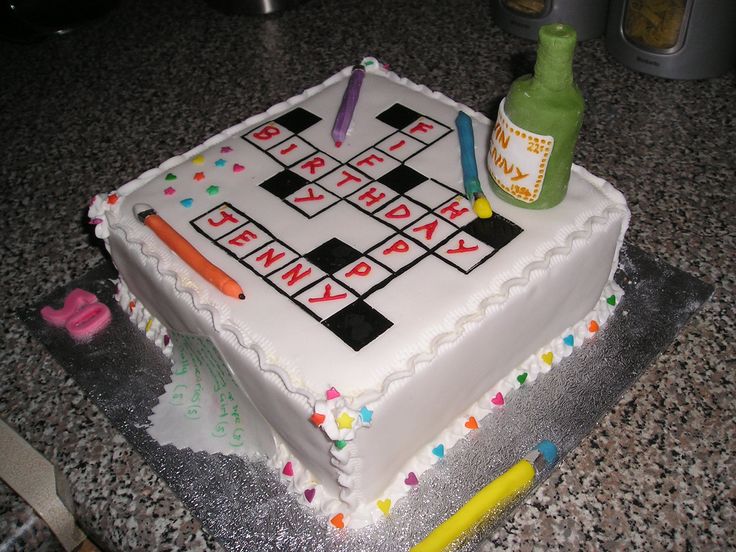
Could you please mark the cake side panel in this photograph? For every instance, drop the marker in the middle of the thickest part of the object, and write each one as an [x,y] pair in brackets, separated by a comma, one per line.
[287,416]
[535,314]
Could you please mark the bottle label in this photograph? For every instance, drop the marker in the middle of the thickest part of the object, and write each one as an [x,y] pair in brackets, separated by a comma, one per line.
[518,158]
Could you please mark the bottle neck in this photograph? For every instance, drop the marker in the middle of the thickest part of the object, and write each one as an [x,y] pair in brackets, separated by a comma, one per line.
[553,69]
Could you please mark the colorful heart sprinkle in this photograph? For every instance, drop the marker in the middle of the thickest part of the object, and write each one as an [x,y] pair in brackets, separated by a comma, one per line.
[338,521]
[237,167]
[384,505]
[199,176]
[411,479]
[332,393]
[498,399]
[170,176]
[569,340]
[112,199]
[340,444]
[439,451]
[548,357]
[226,149]
[213,190]
[309,494]
[169,191]
[593,326]
[131,306]
[198,160]
[167,340]
[317,419]
[187,202]
[472,423]
[288,469]
[95,221]
[611,300]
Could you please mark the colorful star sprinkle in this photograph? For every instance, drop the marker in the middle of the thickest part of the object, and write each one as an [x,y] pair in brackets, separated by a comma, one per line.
[112,199]
[472,423]
[212,190]
[167,340]
[593,326]
[521,378]
[226,149]
[338,521]
[439,451]
[548,357]
[384,505]
[332,393]
[198,160]
[187,202]
[345,421]
[170,176]
[411,479]
[317,419]
[220,163]
[309,494]
[366,415]
[498,399]
[569,340]
[288,469]
[199,176]
[169,191]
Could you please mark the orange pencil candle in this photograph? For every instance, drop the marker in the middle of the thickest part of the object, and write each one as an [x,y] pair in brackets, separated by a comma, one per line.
[190,255]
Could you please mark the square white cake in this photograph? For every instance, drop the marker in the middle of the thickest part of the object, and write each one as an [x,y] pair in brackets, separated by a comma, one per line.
[379,311]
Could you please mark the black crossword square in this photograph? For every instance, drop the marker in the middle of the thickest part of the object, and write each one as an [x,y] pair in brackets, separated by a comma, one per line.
[297,120]
[402,179]
[284,183]
[495,231]
[398,116]
[358,324]
[333,255]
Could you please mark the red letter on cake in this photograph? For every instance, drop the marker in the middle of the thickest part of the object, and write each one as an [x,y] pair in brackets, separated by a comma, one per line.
[428,229]
[370,197]
[361,269]
[314,164]
[311,196]
[399,246]
[242,238]
[421,127]
[269,257]
[462,248]
[290,147]
[327,295]
[371,160]
[397,145]
[266,133]
[399,212]
[226,217]
[293,275]
[348,178]
[453,210]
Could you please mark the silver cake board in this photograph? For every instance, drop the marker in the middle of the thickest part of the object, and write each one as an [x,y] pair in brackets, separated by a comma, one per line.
[244,505]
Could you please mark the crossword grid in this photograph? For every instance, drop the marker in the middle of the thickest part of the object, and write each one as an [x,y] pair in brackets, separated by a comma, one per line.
[332,281]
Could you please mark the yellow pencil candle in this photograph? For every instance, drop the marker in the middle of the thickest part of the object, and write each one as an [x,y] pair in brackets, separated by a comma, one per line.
[490,500]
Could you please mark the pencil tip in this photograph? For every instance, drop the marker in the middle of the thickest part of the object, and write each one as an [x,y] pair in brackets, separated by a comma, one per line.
[241,296]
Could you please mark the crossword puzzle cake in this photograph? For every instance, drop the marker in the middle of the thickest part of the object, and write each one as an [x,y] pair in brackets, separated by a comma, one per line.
[382,319]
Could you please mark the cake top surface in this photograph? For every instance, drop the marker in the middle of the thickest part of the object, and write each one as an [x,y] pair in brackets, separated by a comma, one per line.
[358,262]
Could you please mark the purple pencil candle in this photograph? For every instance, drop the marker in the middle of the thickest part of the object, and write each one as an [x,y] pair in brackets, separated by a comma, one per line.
[347,106]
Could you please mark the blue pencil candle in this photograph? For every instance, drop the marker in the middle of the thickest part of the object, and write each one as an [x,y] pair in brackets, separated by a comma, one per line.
[475,195]
[347,106]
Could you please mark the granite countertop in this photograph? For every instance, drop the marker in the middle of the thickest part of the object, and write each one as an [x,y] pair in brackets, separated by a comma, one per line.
[88,111]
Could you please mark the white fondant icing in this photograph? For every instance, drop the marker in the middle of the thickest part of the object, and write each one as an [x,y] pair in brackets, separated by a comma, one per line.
[457,328]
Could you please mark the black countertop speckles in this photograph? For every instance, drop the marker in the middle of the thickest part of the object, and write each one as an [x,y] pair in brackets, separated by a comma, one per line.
[88,111]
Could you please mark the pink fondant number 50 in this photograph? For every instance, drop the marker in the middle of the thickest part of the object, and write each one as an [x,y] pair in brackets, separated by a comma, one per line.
[82,315]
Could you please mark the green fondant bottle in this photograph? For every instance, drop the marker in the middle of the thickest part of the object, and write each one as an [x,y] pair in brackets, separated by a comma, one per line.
[537,126]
